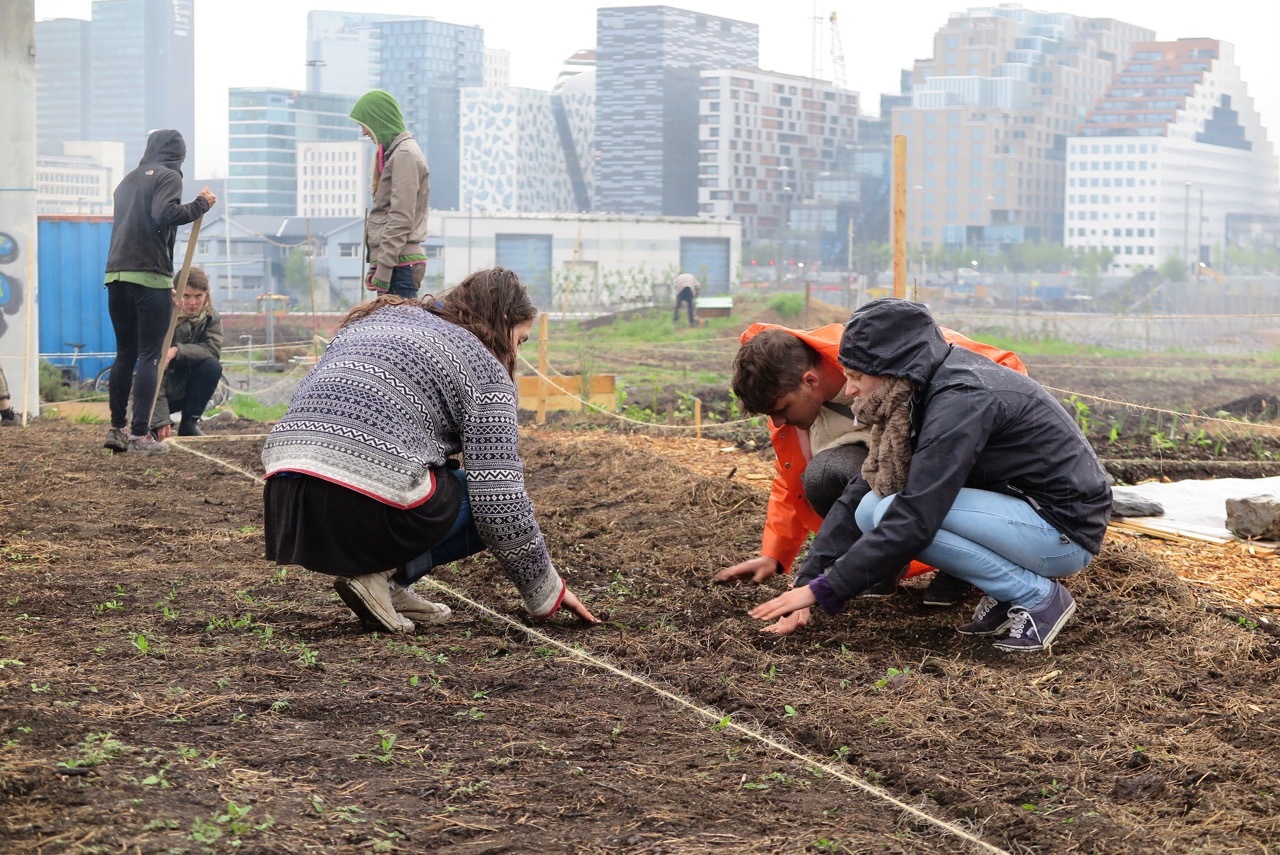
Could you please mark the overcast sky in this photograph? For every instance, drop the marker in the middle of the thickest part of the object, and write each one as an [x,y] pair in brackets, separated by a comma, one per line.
[263,42]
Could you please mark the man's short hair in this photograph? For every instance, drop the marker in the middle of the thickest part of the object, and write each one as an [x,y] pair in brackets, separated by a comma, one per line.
[768,366]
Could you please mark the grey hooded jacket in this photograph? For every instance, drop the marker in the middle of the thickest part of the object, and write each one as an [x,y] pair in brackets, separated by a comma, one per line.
[149,209]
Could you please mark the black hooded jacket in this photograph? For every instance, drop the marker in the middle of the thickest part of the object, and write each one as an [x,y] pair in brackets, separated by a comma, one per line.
[149,209]
[973,424]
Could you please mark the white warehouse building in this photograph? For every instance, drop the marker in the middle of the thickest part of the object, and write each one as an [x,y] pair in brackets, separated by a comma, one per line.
[1171,150]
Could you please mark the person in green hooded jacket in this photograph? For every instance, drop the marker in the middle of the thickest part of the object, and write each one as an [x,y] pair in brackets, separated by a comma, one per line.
[397,222]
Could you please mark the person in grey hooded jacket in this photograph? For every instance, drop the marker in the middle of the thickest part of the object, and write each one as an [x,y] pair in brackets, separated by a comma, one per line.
[974,469]
[139,280]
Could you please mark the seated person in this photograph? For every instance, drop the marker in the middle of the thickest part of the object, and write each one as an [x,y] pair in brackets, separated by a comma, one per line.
[192,369]
[7,416]
[795,378]
[972,468]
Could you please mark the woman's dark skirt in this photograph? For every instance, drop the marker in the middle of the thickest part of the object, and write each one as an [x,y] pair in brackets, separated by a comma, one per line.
[331,529]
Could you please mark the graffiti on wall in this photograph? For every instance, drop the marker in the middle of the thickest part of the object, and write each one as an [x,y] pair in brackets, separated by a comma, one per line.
[10,285]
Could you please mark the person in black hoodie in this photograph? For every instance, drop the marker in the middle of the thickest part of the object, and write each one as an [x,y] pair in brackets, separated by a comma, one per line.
[139,281]
[973,468]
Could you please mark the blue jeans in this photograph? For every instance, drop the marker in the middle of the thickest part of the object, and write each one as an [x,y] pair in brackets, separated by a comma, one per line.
[995,542]
[140,317]
[402,284]
[461,541]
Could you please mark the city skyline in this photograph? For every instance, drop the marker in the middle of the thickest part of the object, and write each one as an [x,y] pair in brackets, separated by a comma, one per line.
[272,52]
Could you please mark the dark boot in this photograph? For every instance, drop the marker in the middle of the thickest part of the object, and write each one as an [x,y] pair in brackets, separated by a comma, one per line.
[189,427]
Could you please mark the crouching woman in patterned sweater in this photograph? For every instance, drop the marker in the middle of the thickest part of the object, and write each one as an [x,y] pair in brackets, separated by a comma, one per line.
[360,484]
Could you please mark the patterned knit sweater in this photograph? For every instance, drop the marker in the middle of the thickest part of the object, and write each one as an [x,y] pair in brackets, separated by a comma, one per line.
[395,394]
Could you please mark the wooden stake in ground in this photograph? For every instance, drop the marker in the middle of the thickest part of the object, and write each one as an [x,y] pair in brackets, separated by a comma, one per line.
[179,287]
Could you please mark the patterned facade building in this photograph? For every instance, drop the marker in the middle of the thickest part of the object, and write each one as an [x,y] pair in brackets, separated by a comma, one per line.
[990,116]
[767,140]
[649,59]
[525,150]
[1171,153]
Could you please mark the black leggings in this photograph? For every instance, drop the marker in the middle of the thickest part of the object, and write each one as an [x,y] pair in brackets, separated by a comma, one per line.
[197,384]
[140,316]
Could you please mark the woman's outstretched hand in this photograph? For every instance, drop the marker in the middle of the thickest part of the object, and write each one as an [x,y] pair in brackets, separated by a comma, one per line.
[783,605]
[573,604]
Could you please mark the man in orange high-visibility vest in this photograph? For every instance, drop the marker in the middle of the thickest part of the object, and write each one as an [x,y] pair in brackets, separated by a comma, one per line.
[793,376]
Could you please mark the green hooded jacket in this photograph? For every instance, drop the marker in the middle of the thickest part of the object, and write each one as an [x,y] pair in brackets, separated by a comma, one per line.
[396,224]
[380,113]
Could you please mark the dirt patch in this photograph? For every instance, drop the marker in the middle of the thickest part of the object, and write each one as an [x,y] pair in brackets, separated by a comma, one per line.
[165,690]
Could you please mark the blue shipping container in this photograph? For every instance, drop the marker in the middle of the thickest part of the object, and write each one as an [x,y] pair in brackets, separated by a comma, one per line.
[72,301]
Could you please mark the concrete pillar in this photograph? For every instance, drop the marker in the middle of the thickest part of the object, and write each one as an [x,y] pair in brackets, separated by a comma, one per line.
[19,323]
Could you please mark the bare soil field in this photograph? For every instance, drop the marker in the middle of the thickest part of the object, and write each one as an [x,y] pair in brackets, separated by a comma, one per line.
[164,689]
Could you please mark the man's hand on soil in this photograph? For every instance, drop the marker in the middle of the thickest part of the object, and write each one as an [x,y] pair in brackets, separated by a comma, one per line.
[756,570]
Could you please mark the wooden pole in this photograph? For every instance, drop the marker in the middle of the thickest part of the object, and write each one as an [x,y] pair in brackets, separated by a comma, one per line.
[697,418]
[179,287]
[542,369]
[900,216]
[311,274]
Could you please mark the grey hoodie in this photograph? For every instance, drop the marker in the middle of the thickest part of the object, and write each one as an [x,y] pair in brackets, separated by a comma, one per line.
[149,209]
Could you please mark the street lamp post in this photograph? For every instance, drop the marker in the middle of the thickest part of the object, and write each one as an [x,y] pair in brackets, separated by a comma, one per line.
[1200,236]
[1186,225]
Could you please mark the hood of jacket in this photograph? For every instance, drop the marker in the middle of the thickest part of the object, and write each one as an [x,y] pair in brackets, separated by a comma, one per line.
[167,147]
[890,337]
[380,114]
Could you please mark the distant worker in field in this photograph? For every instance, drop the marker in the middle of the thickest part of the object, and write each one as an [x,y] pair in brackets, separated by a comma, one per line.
[7,416]
[361,478]
[687,287]
[397,222]
[139,280]
[973,468]
[193,366]
[794,377]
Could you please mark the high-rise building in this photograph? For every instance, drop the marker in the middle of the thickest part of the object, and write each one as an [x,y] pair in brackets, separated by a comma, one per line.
[528,151]
[1171,153]
[649,59]
[141,72]
[62,83]
[767,141]
[333,178]
[80,180]
[344,52]
[990,115]
[425,65]
[267,126]
[126,72]
[497,67]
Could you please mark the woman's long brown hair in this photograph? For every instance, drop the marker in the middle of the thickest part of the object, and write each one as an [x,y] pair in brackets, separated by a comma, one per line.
[489,304]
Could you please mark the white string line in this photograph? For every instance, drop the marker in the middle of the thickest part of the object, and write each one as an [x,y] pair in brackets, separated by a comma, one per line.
[231,348]
[716,716]
[181,445]
[705,712]
[1187,416]
[621,418]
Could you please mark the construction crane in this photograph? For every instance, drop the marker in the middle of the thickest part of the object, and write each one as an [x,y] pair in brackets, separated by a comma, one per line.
[837,55]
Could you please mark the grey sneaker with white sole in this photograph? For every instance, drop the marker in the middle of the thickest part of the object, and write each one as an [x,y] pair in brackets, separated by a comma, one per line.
[369,596]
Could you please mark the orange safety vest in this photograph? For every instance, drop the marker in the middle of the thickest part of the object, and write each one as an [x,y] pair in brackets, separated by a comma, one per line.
[790,518]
